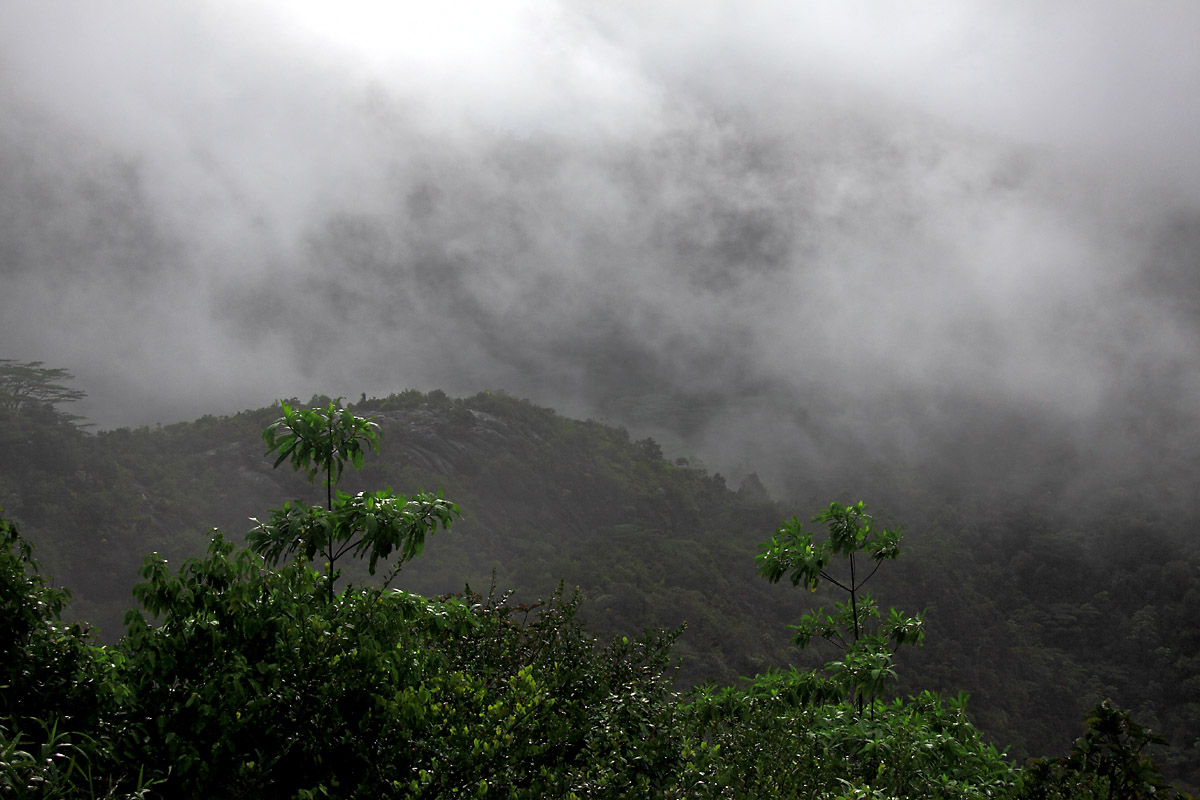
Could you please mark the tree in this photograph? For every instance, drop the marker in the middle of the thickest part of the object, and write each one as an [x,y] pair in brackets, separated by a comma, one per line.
[372,524]
[1109,761]
[854,538]
[28,385]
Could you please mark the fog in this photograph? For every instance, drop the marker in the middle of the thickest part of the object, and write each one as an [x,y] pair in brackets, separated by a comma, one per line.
[951,235]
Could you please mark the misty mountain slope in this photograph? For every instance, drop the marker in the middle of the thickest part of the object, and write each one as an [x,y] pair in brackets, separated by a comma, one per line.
[1035,609]
[545,499]
[924,297]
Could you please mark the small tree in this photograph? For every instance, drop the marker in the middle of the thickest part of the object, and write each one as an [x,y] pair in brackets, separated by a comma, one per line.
[372,524]
[1109,761]
[853,538]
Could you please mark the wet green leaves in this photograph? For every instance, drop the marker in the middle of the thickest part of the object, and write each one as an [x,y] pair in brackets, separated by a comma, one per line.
[371,525]
[374,525]
[320,439]
[854,626]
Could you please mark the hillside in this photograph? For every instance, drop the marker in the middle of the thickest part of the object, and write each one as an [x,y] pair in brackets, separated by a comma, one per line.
[545,499]
[1036,617]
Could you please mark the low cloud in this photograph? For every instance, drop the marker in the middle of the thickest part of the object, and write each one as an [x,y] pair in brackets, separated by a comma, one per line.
[757,233]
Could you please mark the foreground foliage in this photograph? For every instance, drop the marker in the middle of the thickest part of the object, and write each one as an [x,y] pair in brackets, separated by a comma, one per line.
[776,738]
[253,685]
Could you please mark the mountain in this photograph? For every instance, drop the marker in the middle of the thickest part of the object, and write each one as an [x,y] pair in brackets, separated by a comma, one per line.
[1036,612]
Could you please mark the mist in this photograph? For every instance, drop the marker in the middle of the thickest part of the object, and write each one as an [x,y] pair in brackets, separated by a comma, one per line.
[956,236]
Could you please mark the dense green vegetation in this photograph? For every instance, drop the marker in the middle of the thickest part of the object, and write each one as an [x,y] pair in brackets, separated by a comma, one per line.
[1038,625]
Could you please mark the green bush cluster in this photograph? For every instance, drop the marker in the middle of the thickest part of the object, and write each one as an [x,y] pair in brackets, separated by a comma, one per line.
[252,684]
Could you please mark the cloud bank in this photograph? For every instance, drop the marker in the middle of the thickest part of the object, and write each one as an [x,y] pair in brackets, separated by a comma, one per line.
[785,237]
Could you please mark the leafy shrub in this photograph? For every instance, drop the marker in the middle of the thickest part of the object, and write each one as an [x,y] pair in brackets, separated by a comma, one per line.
[253,685]
[784,735]
[1109,761]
